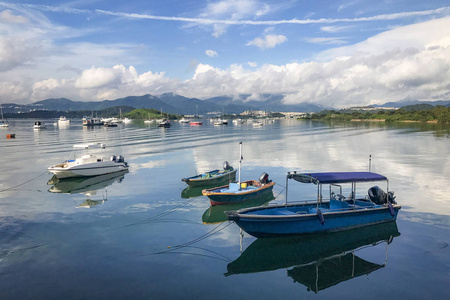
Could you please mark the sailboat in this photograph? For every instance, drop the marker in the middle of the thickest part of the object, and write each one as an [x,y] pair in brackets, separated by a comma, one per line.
[164,122]
[240,191]
[196,121]
[3,122]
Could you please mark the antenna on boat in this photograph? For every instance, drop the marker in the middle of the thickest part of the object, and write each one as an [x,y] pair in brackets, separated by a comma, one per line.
[240,161]
[370,161]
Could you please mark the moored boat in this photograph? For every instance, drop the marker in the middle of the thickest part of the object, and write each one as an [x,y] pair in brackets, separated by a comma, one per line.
[164,123]
[63,121]
[336,214]
[39,125]
[3,122]
[212,178]
[240,191]
[195,123]
[92,121]
[88,164]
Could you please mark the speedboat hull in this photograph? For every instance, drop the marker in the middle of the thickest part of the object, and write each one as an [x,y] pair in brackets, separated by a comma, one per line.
[90,169]
[280,220]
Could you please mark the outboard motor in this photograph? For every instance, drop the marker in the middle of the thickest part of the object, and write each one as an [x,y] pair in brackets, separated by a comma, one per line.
[226,166]
[378,196]
[120,159]
[113,158]
[264,178]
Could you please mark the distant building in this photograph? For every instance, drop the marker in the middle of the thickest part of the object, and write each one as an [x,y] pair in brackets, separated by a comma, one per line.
[294,115]
[371,108]
[255,113]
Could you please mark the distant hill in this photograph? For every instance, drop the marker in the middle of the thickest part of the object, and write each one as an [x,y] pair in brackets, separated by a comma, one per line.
[170,103]
[176,104]
[413,102]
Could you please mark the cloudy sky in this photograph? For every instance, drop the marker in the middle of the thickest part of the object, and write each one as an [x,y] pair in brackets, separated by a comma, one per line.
[340,53]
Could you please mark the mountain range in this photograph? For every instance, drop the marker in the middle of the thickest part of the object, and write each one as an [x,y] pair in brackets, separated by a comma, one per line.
[176,104]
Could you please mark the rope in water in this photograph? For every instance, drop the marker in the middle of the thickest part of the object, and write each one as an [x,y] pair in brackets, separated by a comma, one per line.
[13,187]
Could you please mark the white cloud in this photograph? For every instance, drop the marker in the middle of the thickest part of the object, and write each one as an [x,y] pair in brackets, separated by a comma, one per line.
[327,41]
[8,16]
[269,41]
[252,64]
[211,53]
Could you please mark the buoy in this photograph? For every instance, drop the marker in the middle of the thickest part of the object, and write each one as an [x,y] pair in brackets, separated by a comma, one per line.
[11,136]
[321,218]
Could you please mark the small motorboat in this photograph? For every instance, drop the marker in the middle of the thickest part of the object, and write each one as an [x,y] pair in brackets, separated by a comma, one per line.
[240,191]
[212,178]
[336,214]
[257,124]
[164,123]
[196,123]
[39,125]
[92,121]
[184,120]
[63,121]
[88,164]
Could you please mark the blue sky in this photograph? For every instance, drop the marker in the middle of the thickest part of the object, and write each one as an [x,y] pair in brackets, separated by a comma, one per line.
[339,53]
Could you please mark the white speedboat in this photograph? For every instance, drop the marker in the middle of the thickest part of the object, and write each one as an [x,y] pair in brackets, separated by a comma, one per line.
[39,125]
[89,164]
[63,121]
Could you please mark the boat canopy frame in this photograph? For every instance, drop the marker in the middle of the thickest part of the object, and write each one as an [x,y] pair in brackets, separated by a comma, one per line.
[334,179]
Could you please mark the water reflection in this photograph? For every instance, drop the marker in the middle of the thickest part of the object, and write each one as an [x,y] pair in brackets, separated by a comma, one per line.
[216,214]
[87,186]
[318,261]
[81,185]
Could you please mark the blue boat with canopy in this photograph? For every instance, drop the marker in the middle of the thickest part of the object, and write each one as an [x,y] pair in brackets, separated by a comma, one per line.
[330,211]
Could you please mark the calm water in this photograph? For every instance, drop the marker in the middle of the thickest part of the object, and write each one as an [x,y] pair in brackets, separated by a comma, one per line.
[141,235]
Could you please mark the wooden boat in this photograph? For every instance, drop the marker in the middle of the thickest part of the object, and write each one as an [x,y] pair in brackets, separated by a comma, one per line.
[212,178]
[317,261]
[338,213]
[240,191]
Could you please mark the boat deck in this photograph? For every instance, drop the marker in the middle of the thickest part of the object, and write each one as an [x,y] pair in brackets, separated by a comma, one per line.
[328,207]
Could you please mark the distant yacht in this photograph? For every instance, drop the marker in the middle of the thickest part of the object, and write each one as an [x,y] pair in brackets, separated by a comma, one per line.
[3,122]
[63,121]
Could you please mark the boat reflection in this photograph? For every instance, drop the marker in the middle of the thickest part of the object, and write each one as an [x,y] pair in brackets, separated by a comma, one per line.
[191,192]
[318,261]
[80,185]
[216,214]
[87,186]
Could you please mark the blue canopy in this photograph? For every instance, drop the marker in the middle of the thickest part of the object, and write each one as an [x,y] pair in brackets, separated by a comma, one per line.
[336,177]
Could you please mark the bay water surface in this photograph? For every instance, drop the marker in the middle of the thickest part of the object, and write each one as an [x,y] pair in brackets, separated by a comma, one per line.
[143,235]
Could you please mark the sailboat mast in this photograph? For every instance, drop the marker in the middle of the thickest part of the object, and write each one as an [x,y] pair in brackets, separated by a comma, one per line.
[240,161]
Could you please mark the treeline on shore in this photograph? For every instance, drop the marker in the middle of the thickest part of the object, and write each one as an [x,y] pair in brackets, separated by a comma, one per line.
[438,114]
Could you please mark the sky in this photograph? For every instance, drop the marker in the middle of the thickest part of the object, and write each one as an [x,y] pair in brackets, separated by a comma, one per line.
[334,53]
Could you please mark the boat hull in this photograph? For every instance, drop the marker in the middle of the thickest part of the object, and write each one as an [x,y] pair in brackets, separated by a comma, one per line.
[198,181]
[222,195]
[90,169]
[270,224]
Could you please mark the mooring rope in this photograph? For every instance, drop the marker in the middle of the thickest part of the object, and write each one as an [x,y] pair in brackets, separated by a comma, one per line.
[13,187]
